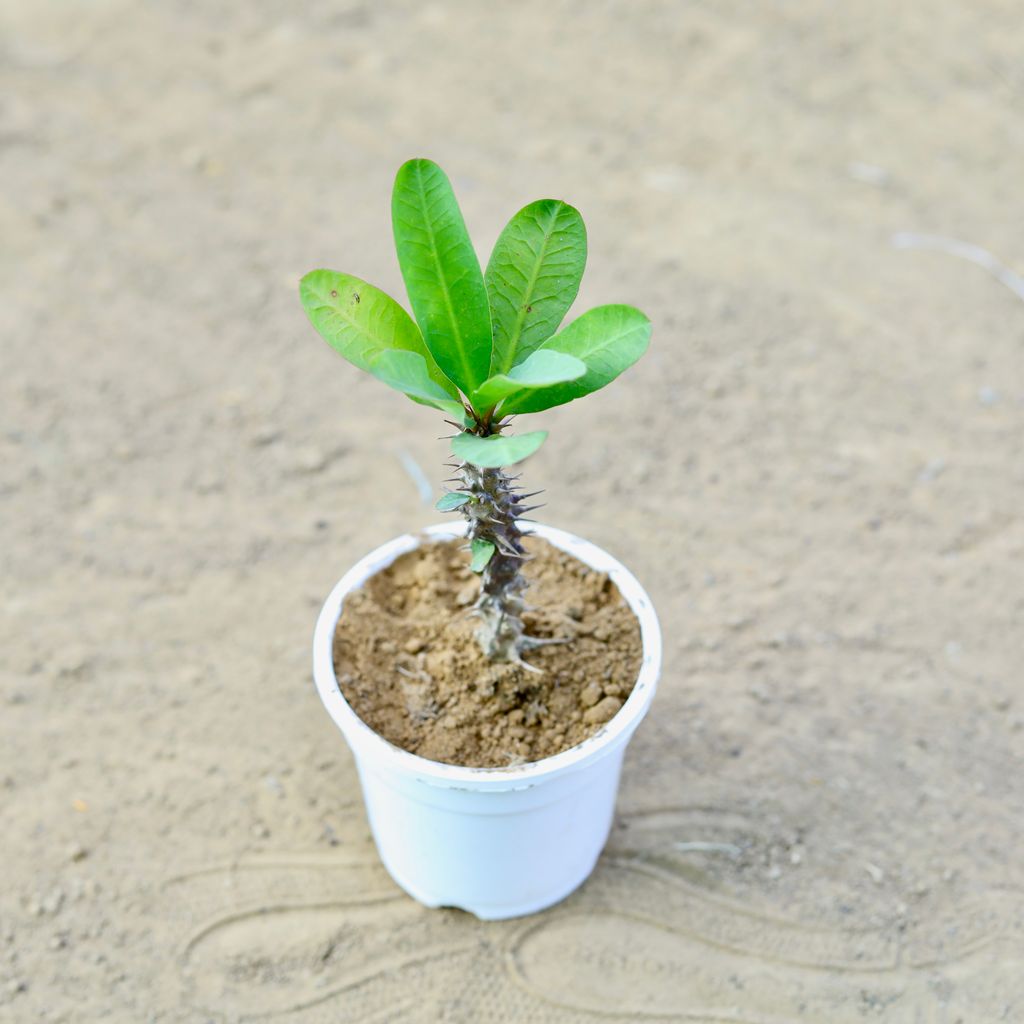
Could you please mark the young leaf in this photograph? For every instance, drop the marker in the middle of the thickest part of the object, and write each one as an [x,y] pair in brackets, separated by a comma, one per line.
[609,339]
[407,372]
[532,278]
[496,451]
[482,551]
[442,273]
[540,370]
[361,322]
[453,500]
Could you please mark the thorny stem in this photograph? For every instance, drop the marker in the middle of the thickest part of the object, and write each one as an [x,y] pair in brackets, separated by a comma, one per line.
[492,517]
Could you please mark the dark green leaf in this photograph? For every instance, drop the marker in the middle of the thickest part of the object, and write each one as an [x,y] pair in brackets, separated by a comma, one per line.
[608,339]
[493,452]
[362,322]
[482,551]
[452,500]
[540,370]
[532,278]
[442,273]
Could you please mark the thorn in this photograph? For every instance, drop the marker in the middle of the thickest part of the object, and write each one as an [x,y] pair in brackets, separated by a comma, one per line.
[526,665]
[513,554]
[530,642]
[529,508]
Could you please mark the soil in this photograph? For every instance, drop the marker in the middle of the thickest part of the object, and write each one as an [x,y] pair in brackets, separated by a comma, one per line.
[408,663]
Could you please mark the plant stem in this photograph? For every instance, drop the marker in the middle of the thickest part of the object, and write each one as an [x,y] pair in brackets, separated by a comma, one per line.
[492,518]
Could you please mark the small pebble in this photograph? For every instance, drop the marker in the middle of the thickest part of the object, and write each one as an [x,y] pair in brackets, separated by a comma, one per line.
[53,901]
[310,460]
[71,663]
[602,711]
[868,174]
[414,645]
[932,470]
[77,852]
[264,436]
[590,695]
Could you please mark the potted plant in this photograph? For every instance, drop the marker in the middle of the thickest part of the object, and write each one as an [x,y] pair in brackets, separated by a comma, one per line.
[488,734]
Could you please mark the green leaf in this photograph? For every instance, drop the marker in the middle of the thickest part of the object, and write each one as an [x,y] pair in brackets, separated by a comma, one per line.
[609,339]
[497,450]
[532,278]
[482,551]
[540,370]
[361,322]
[442,273]
[452,500]
[454,409]
[407,372]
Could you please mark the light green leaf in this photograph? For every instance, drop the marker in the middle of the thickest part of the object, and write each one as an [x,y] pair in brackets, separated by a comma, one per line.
[452,500]
[407,372]
[453,409]
[442,273]
[497,450]
[540,370]
[482,552]
[609,339]
[361,322]
[532,278]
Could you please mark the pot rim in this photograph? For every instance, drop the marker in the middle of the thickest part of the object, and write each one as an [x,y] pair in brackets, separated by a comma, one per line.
[371,745]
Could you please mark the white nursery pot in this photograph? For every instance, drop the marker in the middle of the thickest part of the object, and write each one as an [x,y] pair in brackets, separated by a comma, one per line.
[498,842]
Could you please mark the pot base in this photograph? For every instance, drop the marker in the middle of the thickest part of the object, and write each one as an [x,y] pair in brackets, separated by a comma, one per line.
[492,911]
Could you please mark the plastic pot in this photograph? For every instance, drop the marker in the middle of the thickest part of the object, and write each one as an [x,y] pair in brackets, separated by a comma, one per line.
[498,842]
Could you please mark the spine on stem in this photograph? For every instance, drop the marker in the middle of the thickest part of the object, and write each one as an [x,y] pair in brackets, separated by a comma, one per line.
[492,512]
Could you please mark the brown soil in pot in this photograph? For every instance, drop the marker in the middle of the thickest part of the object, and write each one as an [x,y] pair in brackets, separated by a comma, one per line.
[408,663]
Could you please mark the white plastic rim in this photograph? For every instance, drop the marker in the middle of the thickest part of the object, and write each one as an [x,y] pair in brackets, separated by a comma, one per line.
[498,842]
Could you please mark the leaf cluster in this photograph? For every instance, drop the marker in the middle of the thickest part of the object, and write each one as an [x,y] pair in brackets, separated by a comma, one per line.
[485,344]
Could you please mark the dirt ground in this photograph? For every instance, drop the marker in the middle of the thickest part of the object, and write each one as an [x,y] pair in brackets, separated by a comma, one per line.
[817,472]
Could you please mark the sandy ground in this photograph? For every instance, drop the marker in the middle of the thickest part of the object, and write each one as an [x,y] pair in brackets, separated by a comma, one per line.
[817,471]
